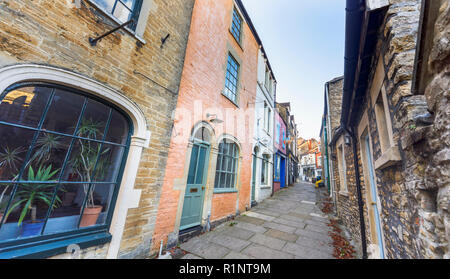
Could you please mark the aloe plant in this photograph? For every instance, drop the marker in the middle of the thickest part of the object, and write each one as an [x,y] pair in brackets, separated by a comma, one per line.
[29,193]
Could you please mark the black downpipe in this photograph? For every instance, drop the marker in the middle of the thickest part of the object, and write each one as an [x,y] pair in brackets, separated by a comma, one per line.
[359,193]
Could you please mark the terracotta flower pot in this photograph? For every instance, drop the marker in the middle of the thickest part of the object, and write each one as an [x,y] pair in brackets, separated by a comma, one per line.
[90,216]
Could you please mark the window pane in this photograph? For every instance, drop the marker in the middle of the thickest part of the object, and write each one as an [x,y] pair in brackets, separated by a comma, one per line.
[49,151]
[27,221]
[64,112]
[108,164]
[66,214]
[222,180]
[122,12]
[94,121]
[5,195]
[106,4]
[118,129]
[24,106]
[14,144]
[193,165]
[82,161]
[99,199]
[201,165]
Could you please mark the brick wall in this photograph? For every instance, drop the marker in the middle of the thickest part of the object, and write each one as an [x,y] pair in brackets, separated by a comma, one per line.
[56,33]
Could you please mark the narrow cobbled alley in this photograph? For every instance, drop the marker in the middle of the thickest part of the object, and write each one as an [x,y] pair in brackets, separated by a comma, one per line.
[289,225]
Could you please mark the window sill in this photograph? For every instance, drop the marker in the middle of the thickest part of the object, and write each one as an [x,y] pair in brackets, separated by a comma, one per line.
[54,247]
[344,193]
[224,191]
[389,158]
[233,102]
[117,21]
[238,42]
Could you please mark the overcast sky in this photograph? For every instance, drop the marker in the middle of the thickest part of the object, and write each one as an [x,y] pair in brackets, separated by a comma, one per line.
[304,40]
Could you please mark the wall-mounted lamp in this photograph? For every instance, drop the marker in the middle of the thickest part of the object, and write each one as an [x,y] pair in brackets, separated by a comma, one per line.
[213,118]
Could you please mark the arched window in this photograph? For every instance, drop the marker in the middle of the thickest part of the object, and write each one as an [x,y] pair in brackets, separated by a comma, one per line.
[227,164]
[62,155]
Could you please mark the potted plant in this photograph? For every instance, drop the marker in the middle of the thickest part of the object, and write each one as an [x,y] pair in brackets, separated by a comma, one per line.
[29,194]
[87,163]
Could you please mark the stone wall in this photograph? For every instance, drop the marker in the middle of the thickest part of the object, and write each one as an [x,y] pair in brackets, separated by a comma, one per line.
[56,33]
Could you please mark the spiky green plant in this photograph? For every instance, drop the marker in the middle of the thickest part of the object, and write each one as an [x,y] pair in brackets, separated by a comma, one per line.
[10,158]
[29,193]
[44,147]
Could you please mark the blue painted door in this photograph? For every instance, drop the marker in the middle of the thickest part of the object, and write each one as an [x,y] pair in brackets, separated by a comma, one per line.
[195,188]
[373,202]
[283,173]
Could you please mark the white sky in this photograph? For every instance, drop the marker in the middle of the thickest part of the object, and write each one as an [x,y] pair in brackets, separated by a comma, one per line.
[304,40]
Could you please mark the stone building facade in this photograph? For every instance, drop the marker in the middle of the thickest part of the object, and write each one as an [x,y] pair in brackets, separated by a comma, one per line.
[391,146]
[45,44]
[330,124]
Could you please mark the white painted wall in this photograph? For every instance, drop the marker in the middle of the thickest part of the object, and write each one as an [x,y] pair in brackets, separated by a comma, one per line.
[263,137]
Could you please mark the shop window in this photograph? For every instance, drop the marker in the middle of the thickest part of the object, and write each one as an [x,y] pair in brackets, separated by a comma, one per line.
[62,153]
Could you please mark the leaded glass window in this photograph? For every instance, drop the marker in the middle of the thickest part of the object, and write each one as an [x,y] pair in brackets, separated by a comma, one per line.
[231,79]
[123,10]
[227,164]
[62,153]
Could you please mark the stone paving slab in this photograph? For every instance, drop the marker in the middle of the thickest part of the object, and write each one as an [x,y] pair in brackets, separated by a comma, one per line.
[237,256]
[190,257]
[268,241]
[261,252]
[288,225]
[239,233]
[251,220]
[305,252]
[325,246]
[250,227]
[280,227]
[282,235]
[260,216]
[230,242]
[295,224]
[204,249]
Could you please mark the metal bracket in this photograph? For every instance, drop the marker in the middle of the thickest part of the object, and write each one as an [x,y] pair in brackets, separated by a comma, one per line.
[93,42]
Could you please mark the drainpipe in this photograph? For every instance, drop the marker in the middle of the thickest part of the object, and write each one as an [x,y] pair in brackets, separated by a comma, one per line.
[359,192]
